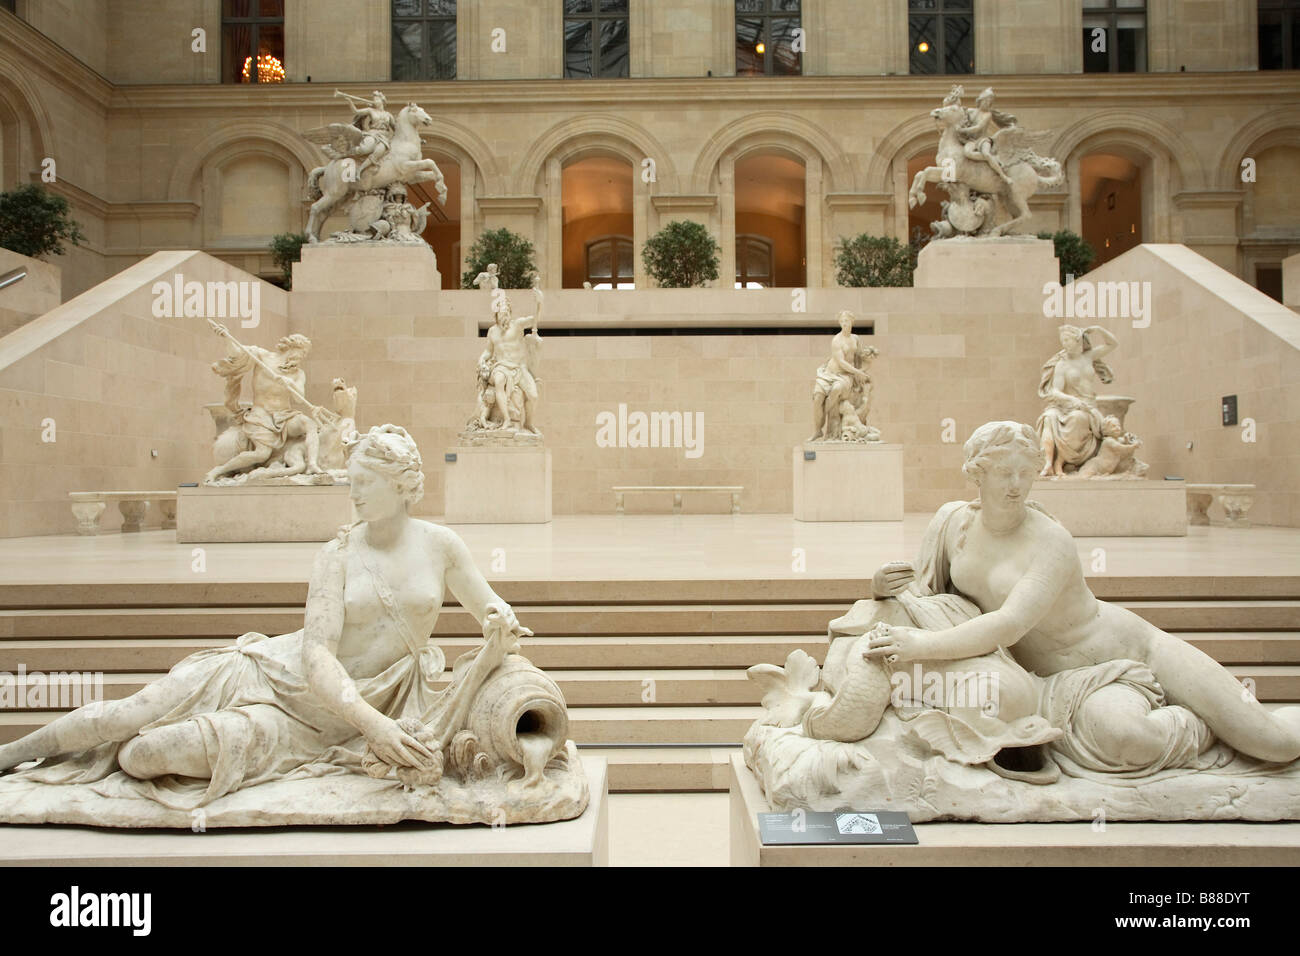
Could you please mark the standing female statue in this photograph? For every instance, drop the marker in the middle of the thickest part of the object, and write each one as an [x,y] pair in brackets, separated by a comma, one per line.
[361,671]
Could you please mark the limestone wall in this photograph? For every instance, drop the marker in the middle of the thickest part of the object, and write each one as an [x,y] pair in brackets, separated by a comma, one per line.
[118,384]
[32,296]
[1210,336]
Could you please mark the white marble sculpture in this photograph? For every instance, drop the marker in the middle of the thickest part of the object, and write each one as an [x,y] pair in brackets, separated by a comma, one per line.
[281,438]
[987,682]
[842,392]
[372,160]
[987,164]
[507,374]
[1081,435]
[343,721]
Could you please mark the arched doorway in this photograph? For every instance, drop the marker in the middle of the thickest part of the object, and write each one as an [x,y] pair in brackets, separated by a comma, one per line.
[596,209]
[770,220]
[442,229]
[1112,205]
[919,219]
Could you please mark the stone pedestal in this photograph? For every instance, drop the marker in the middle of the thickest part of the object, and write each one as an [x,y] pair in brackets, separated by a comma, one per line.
[362,266]
[497,485]
[1232,843]
[261,513]
[1006,262]
[848,482]
[1115,508]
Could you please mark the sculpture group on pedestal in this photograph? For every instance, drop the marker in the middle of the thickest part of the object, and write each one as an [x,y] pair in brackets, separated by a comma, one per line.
[274,440]
[342,721]
[507,373]
[1082,433]
[842,392]
[988,166]
[372,161]
[987,682]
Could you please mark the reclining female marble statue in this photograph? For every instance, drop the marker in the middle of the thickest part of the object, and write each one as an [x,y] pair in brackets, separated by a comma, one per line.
[244,733]
[988,682]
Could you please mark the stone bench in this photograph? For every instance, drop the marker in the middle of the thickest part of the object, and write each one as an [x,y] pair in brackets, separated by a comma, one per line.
[677,492]
[1236,501]
[88,507]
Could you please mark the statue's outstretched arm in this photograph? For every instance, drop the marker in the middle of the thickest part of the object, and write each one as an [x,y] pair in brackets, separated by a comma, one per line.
[1108,341]
[468,585]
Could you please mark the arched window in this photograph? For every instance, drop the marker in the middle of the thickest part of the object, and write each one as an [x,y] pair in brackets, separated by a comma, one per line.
[424,39]
[252,41]
[753,262]
[609,262]
[595,38]
[1279,34]
[1114,36]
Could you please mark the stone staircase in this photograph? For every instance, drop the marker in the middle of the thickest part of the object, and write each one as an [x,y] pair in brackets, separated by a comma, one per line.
[657,687]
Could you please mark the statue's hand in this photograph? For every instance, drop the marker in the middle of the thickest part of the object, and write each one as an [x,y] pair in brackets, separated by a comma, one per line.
[220,329]
[892,579]
[395,747]
[897,645]
[503,615]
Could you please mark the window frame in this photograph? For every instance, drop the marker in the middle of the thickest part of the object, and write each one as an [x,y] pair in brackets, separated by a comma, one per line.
[766,16]
[941,15]
[595,18]
[765,242]
[616,241]
[1111,13]
[424,19]
[256,22]
[1289,13]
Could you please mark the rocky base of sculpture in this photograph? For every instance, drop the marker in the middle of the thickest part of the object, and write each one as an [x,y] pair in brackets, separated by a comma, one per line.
[894,769]
[478,436]
[335,797]
[871,434]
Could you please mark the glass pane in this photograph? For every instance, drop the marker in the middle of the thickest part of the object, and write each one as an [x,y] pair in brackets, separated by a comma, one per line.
[958,6]
[236,50]
[959,45]
[406,51]
[270,53]
[1132,4]
[599,260]
[1095,60]
[442,8]
[1131,50]
[578,6]
[1096,4]
[922,6]
[757,261]
[923,57]
[237,8]
[577,48]
[613,6]
[442,49]
[749,61]
[785,61]
[785,6]
[749,6]
[270,8]
[406,8]
[613,48]
[624,259]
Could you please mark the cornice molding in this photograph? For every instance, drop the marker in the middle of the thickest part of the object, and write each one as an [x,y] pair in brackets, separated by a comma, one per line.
[670,202]
[774,93]
[44,58]
[510,203]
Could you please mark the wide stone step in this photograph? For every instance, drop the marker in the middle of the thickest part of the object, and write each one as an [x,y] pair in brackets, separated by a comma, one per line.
[638,651]
[565,620]
[600,725]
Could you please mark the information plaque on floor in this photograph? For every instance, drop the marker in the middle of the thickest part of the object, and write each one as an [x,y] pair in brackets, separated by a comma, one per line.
[818,828]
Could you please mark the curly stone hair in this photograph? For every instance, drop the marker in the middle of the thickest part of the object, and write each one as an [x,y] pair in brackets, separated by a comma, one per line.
[390,451]
[999,436]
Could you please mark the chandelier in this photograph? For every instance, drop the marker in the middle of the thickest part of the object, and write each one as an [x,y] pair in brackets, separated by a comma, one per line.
[269,69]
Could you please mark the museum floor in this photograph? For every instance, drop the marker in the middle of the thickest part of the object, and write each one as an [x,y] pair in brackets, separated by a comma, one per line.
[646,622]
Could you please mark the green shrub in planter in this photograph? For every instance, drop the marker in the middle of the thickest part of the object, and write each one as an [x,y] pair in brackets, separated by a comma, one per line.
[512,253]
[286,249]
[867,260]
[1074,253]
[35,222]
[681,255]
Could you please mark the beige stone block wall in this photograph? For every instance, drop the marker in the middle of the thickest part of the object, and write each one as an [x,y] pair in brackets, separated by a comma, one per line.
[35,295]
[151,41]
[1028,36]
[79,26]
[1291,280]
[118,384]
[1210,336]
[968,356]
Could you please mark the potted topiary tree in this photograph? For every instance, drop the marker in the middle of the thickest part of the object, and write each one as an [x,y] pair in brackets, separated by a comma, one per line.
[1074,253]
[286,249]
[867,260]
[681,255]
[35,222]
[512,253]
